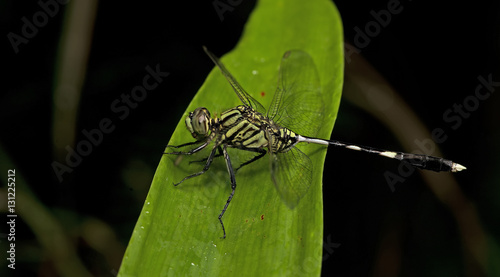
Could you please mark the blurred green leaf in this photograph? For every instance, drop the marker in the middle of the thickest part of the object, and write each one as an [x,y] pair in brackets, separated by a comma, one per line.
[178,233]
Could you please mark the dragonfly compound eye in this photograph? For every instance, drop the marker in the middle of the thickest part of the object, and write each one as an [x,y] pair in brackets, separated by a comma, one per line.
[198,122]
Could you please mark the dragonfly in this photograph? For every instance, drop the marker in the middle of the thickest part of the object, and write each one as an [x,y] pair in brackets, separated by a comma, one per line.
[294,116]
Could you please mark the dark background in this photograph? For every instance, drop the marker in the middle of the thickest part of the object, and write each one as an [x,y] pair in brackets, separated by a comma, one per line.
[432,54]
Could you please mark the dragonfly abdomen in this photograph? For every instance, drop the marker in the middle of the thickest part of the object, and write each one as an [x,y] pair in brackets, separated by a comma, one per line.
[283,139]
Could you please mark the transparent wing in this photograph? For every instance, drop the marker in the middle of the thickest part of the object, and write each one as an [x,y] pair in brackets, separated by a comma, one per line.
[297,103]
[291,173]
[242,94]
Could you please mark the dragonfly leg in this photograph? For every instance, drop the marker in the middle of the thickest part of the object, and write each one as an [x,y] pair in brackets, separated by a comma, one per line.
[261,154]
[190,152]
[233,187]
[185,144]
[204,159]
[207,166]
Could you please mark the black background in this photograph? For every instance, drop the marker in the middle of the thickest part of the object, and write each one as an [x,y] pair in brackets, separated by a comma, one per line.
[432,54]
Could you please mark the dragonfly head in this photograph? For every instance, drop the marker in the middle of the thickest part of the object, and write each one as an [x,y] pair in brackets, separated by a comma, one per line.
[198,123]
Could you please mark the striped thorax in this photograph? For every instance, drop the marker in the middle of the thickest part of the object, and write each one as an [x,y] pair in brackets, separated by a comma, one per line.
[241,127]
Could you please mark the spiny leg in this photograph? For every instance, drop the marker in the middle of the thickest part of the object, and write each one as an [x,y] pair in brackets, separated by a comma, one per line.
[207,166]
[204,159]
[233,187]
[261,154]
[190,152]
[185,144]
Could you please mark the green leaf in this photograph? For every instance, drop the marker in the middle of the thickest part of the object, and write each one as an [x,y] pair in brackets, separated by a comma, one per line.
[178,233]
